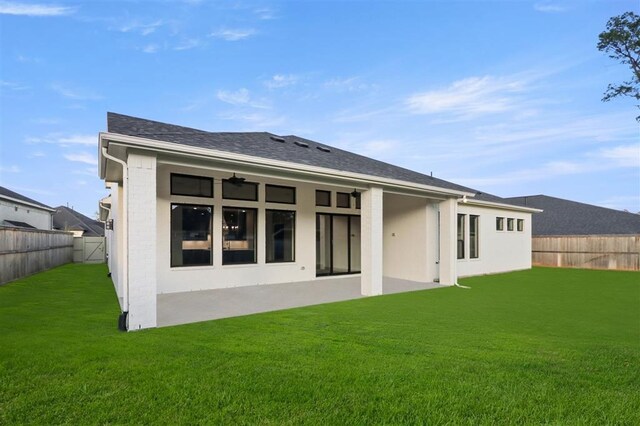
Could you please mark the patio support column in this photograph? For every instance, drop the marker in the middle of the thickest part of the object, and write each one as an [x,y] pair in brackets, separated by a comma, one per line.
[448,241]
[371,234]
[141,250]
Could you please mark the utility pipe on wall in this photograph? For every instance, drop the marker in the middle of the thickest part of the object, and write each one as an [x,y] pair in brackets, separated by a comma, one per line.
[125,229]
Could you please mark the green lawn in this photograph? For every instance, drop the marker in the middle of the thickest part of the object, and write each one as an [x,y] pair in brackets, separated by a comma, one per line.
[543,346]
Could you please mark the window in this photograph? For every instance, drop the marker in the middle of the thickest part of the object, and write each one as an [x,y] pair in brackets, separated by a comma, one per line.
[461,232]
[473,236]
[499,223]
[510,224]
[190,235]
[192,186]
[247,191]
[238,235]
[280,194]
[343,200]
[323,198]
[280,238]
[520,225]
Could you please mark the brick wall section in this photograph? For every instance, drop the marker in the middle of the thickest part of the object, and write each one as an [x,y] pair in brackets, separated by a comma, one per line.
[448,241]
[371,234]
[141,204]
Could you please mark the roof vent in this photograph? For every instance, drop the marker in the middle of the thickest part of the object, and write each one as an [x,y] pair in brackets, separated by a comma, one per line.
[323,148]
[277,139]
[302,144]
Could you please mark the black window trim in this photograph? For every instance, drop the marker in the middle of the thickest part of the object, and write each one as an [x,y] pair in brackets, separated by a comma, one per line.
[323,205]
[256,261]
[349,198]
[255,184]
[295,225]
[210,179]
[295,195]
[171,265]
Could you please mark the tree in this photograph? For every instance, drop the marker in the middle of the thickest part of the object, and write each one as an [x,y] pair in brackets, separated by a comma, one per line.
[621,41]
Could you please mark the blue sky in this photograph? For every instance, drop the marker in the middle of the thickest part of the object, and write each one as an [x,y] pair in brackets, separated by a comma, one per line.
[502,96]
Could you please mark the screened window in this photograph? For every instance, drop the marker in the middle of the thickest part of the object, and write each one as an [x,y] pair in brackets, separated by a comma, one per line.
[520,225]
[239,229]
[280,238]
[323,198]
[247,191]
[510,224]
[343,200]
[192,186]
[280,194]
[190,235]
[461,232]
[499,223]
[473,236]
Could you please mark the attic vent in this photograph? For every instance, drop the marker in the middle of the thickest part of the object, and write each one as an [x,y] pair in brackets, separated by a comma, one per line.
[302,144]
[277,139]
[323,148]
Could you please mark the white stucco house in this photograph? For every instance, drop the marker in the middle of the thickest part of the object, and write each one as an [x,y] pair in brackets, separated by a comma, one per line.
[192,210]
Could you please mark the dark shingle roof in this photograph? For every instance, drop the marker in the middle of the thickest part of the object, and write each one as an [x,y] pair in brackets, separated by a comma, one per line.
[262,144]
[66,219]
[8,193]
[18,224]
[565,217]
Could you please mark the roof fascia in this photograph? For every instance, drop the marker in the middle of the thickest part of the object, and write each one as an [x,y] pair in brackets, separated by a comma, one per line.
[512,207]
[26,203]
[185,150]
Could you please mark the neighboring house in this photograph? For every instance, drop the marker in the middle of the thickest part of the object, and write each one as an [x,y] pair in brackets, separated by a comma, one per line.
[18,211]
[193,210]
[67,219]
[572,234]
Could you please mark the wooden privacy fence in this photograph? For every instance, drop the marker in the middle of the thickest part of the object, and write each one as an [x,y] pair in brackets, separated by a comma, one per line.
[27,251]
[621,252]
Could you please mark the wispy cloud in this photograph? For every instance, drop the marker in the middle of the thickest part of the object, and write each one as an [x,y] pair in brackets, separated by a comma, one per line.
[255,120]
[65,141]
[74,93]
[470,97]
[241,97]
[234,34]
[623,155]
[10,169]
[140,27]
[150,48]
[281,80]
[348,84]
[82,157]
[11,85]
[549,7]
[264,13]
[187,44]
[30,9]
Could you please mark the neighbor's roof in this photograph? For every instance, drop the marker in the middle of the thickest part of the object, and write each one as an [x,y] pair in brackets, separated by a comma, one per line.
[262,144]
[565,217]
[7,193]
[66,219]
[18,224]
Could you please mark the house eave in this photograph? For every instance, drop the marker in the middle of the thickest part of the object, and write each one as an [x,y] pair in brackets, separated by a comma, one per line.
[107,139]
[482,203]
[26,203]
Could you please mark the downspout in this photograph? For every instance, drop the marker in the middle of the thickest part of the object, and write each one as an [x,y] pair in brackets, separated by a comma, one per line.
[122,321]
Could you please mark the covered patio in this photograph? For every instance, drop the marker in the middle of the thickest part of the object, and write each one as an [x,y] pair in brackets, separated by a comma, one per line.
[195,306]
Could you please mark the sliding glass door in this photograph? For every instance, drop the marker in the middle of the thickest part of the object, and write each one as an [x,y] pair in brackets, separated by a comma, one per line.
[337,244]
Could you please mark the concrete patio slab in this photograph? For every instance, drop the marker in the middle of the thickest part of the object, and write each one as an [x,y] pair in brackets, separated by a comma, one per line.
[195,306]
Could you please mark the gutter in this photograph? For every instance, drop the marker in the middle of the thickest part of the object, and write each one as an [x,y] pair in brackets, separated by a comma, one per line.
[28,204]
[501,205]
[122,322]
[265,163]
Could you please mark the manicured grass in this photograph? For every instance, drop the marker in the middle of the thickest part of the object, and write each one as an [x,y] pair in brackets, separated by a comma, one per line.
[542,346]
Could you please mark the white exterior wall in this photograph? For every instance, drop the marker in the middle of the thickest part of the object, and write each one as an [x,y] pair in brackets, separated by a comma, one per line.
[192,278]
[371,231]
[115,238]
[10,210]
[407,252]
[141,251]
[448,273]
[499,251]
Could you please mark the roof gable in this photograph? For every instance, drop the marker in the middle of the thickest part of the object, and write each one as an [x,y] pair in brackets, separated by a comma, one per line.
[5,192]
[65,218]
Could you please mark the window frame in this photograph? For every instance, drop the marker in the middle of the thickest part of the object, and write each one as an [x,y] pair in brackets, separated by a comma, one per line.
[500,223]
[266,196]
[520,225]
[475,239]
[255,185]
[171,192]
[338,194]
[255,233]
[293,232]
[460,249]
[510,224]
[171,239]
[325,192]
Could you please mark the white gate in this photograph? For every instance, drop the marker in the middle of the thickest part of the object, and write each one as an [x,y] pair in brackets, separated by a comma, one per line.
[89,249]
